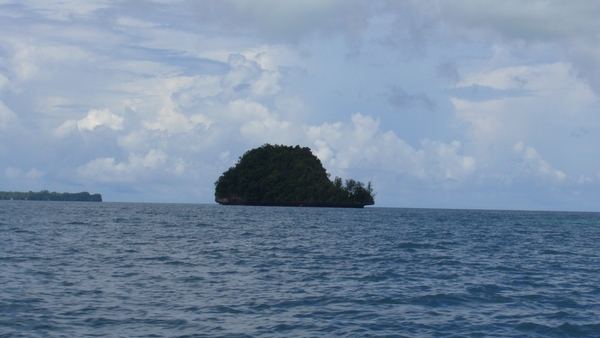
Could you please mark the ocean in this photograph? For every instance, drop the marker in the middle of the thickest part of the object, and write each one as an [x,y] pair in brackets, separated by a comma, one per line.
[71,269]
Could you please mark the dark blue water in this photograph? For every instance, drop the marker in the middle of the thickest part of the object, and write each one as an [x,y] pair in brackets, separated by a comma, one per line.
[160,270]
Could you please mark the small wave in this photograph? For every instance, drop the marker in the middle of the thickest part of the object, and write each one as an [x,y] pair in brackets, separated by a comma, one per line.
[224,309]
[559,315]
[156,258]
[411,245]
[125,274]
[179,263]
[375,278]
[439,300]
[565,329]
[584,330]
[531,327]
[101,321]
[260,307]
[77,223]
[88,293]
[192,279]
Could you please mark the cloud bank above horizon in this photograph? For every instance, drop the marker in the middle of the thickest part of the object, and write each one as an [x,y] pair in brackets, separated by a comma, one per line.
[449,104]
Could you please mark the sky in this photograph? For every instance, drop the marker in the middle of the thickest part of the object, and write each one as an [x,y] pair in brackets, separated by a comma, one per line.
[477,104]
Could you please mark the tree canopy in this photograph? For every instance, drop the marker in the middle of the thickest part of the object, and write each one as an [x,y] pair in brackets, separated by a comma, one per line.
[287,175]
[46,195]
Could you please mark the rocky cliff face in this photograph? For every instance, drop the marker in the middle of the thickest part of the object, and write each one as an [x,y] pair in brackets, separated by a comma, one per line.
[237,201]
[230,200]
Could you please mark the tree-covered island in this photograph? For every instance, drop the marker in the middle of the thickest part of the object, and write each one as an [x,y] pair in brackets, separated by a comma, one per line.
[46,195]
[278,175]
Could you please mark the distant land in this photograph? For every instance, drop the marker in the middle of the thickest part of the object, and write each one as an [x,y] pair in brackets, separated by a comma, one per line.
[278,175]
[46,195]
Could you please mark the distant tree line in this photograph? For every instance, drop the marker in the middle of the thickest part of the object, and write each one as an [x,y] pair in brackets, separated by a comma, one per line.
[286,175]
[46,195]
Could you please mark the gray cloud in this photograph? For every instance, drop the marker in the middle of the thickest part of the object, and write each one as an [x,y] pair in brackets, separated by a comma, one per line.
[586,59]
[549,20]
[448,70]
[401,99]
[478,93]
[284,21]
[569,27]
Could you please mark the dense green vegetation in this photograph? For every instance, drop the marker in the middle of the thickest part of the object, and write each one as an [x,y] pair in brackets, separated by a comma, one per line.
[45,195]
[285,175]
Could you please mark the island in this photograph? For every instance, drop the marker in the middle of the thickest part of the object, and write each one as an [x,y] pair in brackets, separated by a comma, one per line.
[279,175]
[46,195]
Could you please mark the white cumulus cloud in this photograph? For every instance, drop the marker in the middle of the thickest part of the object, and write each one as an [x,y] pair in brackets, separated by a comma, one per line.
[102,117]
[7,117]
[534,164]
[137,167]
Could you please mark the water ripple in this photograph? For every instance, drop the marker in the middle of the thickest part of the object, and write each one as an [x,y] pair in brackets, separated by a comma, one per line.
[158,270]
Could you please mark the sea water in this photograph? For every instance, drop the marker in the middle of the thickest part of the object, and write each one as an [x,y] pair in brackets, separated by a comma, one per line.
[71,269]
